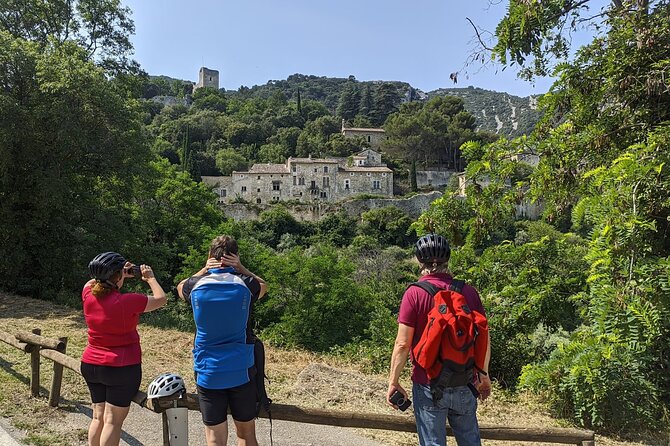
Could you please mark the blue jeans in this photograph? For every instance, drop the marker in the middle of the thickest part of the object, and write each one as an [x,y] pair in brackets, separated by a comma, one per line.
[458,405]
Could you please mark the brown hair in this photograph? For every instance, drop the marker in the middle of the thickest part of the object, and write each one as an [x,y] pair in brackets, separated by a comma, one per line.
[223,244]
[101,289]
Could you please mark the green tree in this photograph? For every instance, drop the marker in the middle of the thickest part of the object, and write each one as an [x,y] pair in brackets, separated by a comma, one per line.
[101,28]
[312,288]
[367,103]
[71,150]
[272,153]
[316,134]
[389,225]
[600,159]
[350,99]
[228,160]
[386,101]
[209,98]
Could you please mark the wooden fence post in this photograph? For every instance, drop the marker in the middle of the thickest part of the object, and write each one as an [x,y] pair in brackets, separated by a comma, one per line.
[35,367]
[54,395]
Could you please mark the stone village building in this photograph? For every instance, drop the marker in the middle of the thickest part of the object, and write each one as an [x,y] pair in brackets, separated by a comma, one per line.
[374,137]
[307,180]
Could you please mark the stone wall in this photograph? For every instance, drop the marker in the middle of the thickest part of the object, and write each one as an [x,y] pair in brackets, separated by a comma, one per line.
[435,178]
[413,207]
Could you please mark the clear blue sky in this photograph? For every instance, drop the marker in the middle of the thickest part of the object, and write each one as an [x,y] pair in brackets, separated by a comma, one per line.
[253,41]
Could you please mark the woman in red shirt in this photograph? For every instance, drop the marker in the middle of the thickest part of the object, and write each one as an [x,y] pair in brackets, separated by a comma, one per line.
[112,361]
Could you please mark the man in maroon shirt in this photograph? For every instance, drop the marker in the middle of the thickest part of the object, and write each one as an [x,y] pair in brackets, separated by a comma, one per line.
[457,404]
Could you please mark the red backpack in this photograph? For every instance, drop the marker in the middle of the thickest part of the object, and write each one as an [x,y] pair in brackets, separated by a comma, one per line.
[454,341]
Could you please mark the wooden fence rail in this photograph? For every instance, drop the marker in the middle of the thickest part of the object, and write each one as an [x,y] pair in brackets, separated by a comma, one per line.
[286,412]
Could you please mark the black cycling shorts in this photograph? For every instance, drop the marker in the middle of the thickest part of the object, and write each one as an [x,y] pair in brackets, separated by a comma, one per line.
[214,403]
[113,385]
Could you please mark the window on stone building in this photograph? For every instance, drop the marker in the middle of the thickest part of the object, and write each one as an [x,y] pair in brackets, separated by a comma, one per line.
[376,184]
[258,200]
[258,190]
[258,177]
[323,194]
[312,184]
[301,181]
[275,185]
[316,169]
[325,169]
[275,198]
[326,182]
[346,184]
[222,192]
[244,188]
[368,138]
[369,174]
[384,174]
[294,181]
[294,168]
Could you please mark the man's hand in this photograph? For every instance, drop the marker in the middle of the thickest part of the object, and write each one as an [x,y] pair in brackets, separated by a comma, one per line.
[392,390]
[212,263]
[484,386]
[232,260]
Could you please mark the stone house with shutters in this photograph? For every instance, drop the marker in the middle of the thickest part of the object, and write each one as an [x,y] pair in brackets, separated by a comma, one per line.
[307,180]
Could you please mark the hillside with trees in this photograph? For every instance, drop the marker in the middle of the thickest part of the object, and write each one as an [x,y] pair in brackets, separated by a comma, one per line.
[501,113]
[578,302]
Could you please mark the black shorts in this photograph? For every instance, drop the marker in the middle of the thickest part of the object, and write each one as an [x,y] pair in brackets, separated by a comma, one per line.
[241,399]
[114,385]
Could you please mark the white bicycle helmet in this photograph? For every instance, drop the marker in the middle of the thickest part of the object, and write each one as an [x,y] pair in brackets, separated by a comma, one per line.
[166,384]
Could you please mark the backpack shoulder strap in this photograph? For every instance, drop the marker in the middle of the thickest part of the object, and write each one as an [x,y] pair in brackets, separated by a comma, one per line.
[456,285]
[427,287]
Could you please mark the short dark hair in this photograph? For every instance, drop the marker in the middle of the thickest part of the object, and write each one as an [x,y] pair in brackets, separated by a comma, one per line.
[221,245]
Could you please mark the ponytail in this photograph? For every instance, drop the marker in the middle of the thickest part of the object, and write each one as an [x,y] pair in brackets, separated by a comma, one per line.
[101,289]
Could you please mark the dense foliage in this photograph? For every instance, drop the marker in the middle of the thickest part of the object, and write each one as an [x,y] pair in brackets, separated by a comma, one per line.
[578,302]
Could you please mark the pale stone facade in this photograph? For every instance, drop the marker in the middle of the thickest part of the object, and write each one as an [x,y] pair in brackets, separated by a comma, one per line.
[306,180]
[207,78]
[374,137]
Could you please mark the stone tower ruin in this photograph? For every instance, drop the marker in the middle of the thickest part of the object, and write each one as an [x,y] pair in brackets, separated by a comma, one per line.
[207,78]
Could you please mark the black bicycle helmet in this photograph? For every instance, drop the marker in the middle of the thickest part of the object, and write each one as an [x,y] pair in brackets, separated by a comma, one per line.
[104,265]
[432,248]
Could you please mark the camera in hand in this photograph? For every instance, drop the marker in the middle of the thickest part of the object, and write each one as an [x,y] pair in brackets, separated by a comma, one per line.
[399,400]
[134,271]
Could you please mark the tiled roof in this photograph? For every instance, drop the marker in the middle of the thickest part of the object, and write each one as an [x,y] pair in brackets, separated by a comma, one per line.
[217,181]
[366,169]
[314,160]
[354,129]
[268,168]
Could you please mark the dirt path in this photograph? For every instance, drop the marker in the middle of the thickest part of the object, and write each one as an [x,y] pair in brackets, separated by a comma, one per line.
[144,428]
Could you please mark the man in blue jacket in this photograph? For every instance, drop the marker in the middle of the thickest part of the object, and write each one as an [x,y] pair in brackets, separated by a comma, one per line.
[222,295]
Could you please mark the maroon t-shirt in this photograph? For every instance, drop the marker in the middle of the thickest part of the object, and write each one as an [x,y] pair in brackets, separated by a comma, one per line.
[414,308]
[112,328]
